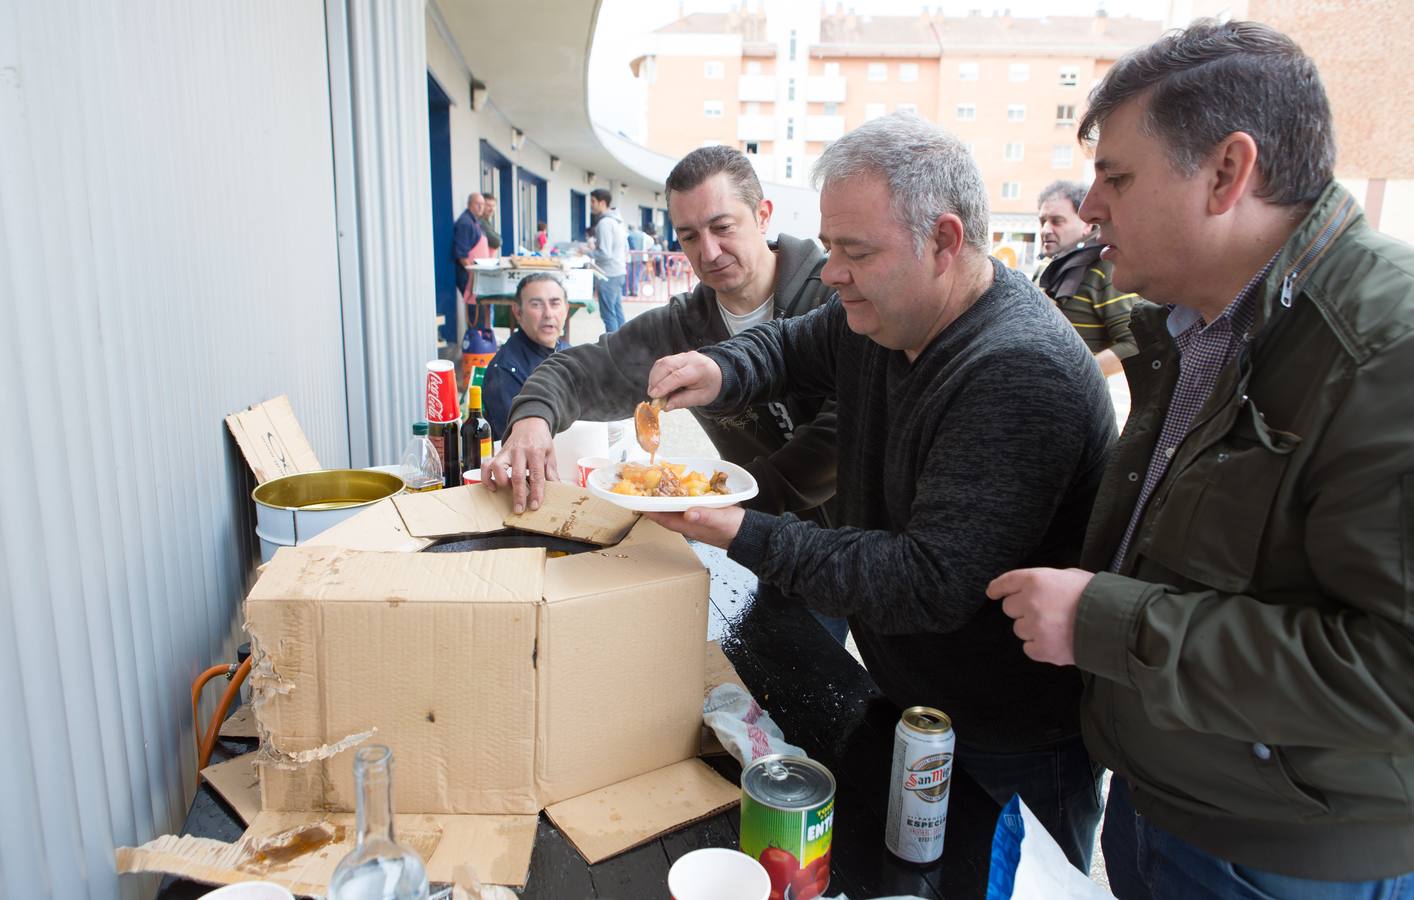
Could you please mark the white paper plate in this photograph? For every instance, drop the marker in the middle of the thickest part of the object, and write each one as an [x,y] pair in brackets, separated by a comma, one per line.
[739,482]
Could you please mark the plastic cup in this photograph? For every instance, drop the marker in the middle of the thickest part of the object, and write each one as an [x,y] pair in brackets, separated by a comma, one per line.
[718,873]
[588,464]
[471,476]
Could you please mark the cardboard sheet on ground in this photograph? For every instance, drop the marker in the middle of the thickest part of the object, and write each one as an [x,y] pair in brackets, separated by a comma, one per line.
[238,783]
[272,441]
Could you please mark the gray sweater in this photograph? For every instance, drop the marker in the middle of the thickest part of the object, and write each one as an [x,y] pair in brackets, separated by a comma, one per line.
[981,456]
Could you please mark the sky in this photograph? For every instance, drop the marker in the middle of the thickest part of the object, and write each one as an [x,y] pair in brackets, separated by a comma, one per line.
[616,99]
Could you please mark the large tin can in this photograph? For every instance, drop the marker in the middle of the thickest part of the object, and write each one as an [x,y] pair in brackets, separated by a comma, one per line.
[919,787]
[787,821]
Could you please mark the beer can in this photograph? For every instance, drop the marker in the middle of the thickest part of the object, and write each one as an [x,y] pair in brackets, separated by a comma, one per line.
[442,392]
[918,789]
[787,822]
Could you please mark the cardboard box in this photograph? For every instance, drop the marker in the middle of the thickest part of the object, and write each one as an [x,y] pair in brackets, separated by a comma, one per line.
[504,681]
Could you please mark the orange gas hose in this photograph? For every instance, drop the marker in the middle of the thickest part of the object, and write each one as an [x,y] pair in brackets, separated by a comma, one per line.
[208,744]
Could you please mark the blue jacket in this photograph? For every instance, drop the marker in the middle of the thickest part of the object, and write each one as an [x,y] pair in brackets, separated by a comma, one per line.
[509,369]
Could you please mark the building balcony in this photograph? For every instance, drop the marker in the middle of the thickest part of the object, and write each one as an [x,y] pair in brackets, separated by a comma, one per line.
[756,88]
[755,128]
[825,89]
[824,128]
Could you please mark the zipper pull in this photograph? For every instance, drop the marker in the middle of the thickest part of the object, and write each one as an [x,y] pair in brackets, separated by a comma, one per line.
[1287,287]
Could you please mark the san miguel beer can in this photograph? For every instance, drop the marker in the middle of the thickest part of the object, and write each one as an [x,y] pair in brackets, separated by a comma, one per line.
[787,823]
[918,790]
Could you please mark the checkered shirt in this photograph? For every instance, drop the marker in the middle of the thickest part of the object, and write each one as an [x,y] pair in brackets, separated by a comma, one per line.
[1203,352]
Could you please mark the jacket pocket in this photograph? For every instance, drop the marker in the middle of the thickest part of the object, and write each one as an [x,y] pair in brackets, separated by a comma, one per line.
[1272,767]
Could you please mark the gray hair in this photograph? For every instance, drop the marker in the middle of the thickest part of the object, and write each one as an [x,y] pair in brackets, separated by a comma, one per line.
[1073,191]
[532,278]
[929,173]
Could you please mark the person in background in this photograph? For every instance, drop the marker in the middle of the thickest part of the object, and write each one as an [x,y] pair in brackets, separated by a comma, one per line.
[637,241]
[468,240]
[788,445]
[542,236]
[972,432]
[1243,611]
[540,309]
[608,240]
[488,225]
[1079,281]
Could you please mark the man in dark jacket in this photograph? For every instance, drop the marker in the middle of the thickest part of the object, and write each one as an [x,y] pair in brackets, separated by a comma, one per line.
[1246,635]
[716,205]
[540,309]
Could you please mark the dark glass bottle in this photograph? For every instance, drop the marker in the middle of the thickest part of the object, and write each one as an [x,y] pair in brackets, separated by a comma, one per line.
[476,432]
[446,437]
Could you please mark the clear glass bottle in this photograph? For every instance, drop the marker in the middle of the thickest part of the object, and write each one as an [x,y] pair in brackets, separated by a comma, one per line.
[378,868]
[421,467]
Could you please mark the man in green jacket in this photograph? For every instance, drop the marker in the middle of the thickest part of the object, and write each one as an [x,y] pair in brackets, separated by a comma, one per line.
[1247,634]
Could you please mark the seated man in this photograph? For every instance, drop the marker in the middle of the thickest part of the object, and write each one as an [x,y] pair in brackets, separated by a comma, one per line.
[976,434]
[539,309]
[1079,281]
[716,204]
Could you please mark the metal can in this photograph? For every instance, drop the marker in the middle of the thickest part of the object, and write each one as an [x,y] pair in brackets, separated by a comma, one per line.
[918,789]
[787,822]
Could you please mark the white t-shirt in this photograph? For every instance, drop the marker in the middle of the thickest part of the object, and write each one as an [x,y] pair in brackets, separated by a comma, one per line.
[737,324]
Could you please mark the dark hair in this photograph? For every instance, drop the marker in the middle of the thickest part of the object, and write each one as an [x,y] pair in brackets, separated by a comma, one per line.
[532,279]
[704,162]
[1212,79]
[650,228]
[541,226]
[602,195]
[1073,191]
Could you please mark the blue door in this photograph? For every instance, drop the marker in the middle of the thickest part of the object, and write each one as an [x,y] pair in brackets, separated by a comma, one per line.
[579,215]
[439,145]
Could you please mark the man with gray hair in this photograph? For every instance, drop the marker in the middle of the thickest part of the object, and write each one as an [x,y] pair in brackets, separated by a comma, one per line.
[1079,281]
[972,432]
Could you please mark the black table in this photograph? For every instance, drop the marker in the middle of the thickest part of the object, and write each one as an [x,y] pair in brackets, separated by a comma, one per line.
[824,702]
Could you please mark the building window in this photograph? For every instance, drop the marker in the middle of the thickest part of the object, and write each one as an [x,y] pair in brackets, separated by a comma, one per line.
[790,166]
[908,71]
[967,71]
[751,147]
[1062,156]
[1019,72]
[1069,76]
[1014,151]
[908,108]
[878,71]
[832,70]
[792,44]
[1011,190]
[873,111]
[713,68]
[1016,112]
[712,109]
[790,89]
[790,128]
[753,67]
[966,112]
[753,109]
[1065,114]
[832,109]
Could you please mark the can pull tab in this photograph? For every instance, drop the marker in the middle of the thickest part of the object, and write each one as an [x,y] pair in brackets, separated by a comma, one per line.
[775,771]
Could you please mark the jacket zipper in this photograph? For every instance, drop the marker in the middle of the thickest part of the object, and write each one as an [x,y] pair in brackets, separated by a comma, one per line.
[1288,284]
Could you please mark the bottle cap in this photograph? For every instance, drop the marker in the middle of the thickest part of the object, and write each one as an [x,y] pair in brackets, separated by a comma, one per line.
[419,428]
[474,396]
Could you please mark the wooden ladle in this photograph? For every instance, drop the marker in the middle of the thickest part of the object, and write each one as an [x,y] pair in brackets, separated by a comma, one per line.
[645,423]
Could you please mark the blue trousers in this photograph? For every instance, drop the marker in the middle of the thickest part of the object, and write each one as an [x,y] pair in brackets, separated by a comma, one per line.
[611,302]
[1143,861]
[1061,785]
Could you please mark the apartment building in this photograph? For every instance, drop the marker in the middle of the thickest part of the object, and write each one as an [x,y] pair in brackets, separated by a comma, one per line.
[782,87]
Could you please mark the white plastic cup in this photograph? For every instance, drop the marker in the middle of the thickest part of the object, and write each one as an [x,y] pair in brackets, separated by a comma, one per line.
[717,873]
[588,464]
[250,890]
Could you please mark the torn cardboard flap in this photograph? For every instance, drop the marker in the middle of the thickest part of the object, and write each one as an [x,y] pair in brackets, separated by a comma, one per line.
[238,783]
[240,724]
[617,818]
[572,512]
[380,527]
[272,441]
[469,509]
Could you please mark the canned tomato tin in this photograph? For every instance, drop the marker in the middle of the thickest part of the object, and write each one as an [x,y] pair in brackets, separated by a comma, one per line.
[918,788]
[787,821]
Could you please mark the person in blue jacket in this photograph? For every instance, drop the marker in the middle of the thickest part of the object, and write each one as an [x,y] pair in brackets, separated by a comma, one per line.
[540,309]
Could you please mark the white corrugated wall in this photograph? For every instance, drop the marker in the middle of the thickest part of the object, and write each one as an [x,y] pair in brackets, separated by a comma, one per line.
[168,253]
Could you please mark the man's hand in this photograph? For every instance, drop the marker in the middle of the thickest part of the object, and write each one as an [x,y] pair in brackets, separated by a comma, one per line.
[685,379]
[717,527]
[527,455]
[1043,603]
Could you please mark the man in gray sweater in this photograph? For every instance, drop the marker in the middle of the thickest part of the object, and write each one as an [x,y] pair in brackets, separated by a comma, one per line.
[973,430]
[611,256]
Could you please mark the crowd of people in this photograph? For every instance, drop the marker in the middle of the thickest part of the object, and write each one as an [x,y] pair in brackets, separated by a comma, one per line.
[1215,606]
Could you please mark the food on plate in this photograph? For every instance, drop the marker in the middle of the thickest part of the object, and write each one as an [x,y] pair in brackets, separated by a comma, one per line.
[667,480]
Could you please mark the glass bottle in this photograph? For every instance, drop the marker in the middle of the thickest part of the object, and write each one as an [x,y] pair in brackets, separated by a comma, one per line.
[476,432]
[421,467]
[377,868]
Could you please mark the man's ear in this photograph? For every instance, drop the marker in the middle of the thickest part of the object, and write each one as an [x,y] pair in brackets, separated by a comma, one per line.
[514,307]
[763,214]
[1232,171]
[947,241]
